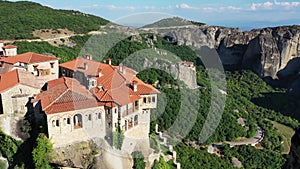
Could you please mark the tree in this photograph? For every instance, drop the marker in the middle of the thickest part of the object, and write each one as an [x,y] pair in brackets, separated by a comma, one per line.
[42,152]
[138,160]
[161,164]
[118,137]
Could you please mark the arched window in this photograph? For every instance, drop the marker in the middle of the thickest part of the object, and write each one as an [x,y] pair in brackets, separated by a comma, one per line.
[57,123]
[99,115]
[90,117]
[53,123]
[77,119]
[136,120]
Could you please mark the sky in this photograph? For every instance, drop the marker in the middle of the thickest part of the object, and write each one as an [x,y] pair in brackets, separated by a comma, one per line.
[245,14]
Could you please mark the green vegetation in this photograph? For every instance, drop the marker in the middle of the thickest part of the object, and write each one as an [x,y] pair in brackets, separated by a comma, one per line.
[248,97]
[42,152]
[2,165]
[9,146]
[138,160]
[161,164]
[192,158]
[286,133]
[63,52]
[175,21]
[118,137]
[254,158]
[20,19]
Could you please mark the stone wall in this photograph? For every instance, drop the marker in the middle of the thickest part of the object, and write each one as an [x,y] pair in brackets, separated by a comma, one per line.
[15,99]
[75,126]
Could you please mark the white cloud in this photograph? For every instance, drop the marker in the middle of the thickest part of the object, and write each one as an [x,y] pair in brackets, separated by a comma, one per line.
[222,9]
[185,6]
[274,5]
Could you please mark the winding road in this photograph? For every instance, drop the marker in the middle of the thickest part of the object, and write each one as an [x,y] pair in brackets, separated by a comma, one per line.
[251,141]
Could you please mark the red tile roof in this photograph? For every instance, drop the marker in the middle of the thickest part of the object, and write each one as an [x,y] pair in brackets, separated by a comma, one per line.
[9,47]
[116,86]
[65,94]
[93,67]
[28,57]
[17,76]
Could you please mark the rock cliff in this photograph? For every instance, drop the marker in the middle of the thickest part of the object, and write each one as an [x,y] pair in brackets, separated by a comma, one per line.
[265,51]
[294,156]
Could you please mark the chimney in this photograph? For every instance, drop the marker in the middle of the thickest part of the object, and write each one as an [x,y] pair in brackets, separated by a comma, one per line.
[89,56]
[99,86]
[134,85]
[1,44]
[122,68]
[85,66]
[99,72]
[109,61]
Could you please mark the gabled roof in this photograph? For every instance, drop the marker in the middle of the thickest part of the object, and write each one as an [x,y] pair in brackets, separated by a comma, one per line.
[17,76]
[114,85]
[9,47]
[28,57]
[65,94]
[121,96]
[93,67]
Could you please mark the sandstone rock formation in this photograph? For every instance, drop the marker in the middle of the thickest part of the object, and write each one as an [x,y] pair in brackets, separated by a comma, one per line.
[265,51]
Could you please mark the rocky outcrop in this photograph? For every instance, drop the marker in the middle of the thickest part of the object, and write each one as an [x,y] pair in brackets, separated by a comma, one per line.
[184,71]
[294,156]
[265,51]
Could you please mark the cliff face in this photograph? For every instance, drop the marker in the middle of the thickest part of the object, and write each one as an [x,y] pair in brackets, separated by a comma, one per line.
[265,51]
[294,159]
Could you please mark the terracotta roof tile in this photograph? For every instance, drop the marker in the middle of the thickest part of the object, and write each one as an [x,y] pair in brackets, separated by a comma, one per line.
[65,94]
[9,47]
[17,76]
[93,67]
[28,57]
[115,85]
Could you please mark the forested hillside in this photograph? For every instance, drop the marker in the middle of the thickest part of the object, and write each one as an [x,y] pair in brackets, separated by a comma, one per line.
[20,19]
[247,96]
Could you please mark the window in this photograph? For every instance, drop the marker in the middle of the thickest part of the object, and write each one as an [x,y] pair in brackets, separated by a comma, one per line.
[44,72]
[99,115]
[116,111]
[35,67]
[68,121]
[153,99]
[145,100]
[149,99]
[52,65]
[90,117]
[57,123]
[53,123]
[65,121]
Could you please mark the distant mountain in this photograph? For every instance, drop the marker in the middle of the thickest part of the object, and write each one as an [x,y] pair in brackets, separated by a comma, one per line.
[169,22]
[20,19]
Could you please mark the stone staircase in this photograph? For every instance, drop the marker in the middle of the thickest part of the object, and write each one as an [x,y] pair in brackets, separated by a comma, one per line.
[171,149]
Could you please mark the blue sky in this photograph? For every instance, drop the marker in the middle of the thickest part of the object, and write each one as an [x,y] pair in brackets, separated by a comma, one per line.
[245,14]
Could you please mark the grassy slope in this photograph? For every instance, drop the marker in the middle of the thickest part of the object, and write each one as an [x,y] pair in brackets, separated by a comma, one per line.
[287,133]
[19,19]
